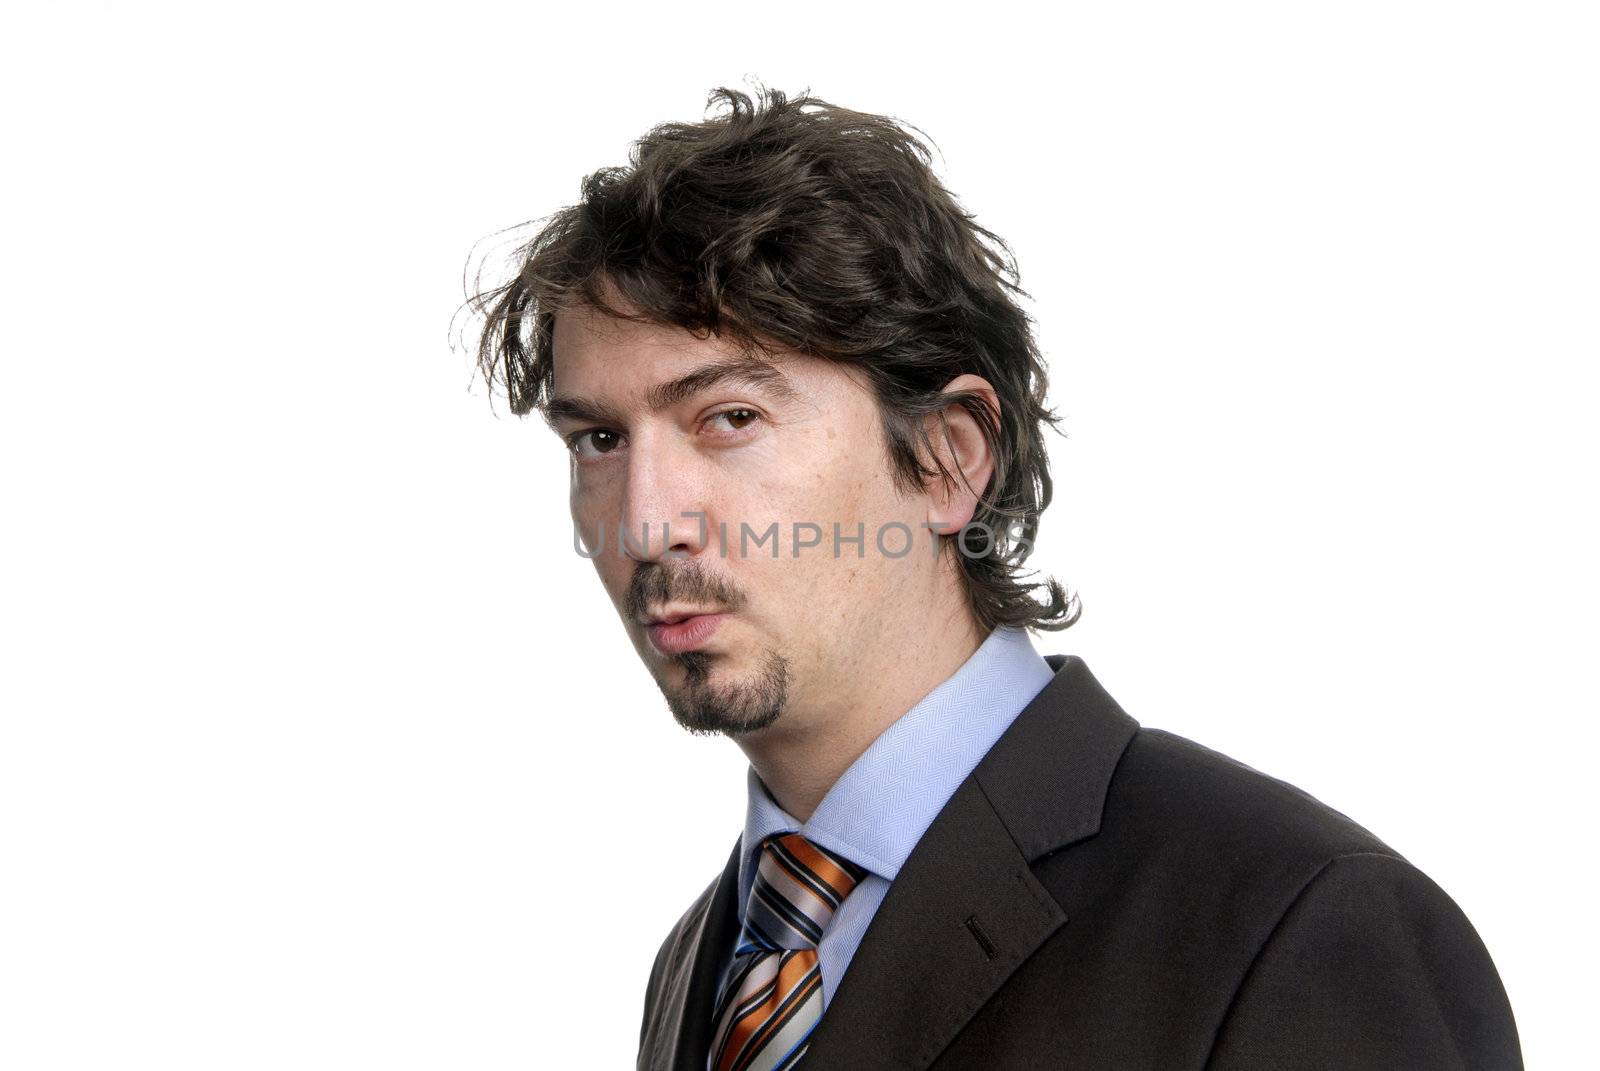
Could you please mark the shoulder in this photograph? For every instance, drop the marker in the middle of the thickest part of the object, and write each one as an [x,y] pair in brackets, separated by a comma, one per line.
[1223,809]
[1187,832]
[1370,960]
[1300,921]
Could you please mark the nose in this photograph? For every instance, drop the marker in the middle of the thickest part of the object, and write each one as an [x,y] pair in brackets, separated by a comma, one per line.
[664,511]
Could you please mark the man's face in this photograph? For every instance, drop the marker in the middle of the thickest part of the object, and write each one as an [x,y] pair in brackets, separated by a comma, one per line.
[805,631]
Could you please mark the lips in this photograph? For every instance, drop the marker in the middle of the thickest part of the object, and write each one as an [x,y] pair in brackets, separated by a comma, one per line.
[675,614]
[679,633]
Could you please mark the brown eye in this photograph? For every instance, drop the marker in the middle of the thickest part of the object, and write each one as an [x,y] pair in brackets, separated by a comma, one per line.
[604,441]
[738,419]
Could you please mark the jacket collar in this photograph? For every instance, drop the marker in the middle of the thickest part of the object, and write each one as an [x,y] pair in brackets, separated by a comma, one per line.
[965,910]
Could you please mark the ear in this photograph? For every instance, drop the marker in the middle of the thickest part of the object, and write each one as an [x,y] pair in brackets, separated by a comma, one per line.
[959,442]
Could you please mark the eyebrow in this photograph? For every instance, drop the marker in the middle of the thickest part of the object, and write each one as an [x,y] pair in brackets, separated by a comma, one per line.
[744,371]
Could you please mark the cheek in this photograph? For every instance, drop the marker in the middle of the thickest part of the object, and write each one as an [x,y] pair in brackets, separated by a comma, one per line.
[818,483]
[588,528]
[594,540]
[596,499]
[588,496]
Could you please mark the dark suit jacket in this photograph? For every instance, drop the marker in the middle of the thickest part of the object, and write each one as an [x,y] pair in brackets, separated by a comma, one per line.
[1101,895]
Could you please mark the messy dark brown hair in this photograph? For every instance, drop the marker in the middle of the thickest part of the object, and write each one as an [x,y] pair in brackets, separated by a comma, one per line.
[798,224]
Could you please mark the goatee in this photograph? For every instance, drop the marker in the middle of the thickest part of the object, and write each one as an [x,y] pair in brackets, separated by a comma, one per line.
[730,708]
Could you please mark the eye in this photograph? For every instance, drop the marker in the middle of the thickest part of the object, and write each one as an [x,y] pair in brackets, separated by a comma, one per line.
[605,442]
[739,418]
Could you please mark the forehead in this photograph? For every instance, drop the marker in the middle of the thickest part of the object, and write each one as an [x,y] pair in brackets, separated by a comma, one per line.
[591,350]
[597,356]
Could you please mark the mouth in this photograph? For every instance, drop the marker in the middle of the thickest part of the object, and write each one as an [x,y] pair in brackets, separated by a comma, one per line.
[673,615]
[673,634]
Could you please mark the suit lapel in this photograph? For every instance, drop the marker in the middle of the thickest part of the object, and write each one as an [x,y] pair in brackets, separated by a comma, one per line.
[966,910]
[690,988]
[959,918]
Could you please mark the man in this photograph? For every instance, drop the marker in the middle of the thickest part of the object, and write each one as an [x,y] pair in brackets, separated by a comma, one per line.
[805,417]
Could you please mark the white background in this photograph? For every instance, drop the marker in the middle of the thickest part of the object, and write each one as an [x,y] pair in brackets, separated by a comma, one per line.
[321,747]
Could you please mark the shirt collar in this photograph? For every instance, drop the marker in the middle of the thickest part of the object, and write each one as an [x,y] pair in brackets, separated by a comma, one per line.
[878,809]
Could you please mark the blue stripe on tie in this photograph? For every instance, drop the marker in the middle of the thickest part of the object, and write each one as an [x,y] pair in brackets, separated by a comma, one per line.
[756,931]
[785,909]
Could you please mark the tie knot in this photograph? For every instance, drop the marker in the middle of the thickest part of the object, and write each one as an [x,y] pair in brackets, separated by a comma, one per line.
[798,887]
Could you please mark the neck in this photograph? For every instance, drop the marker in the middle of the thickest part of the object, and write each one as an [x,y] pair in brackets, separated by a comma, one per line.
[801,756]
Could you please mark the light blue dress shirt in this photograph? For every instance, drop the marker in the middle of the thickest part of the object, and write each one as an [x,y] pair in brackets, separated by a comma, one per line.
[880,807]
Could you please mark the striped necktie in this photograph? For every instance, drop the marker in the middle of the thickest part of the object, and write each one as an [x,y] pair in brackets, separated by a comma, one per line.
[771,997]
